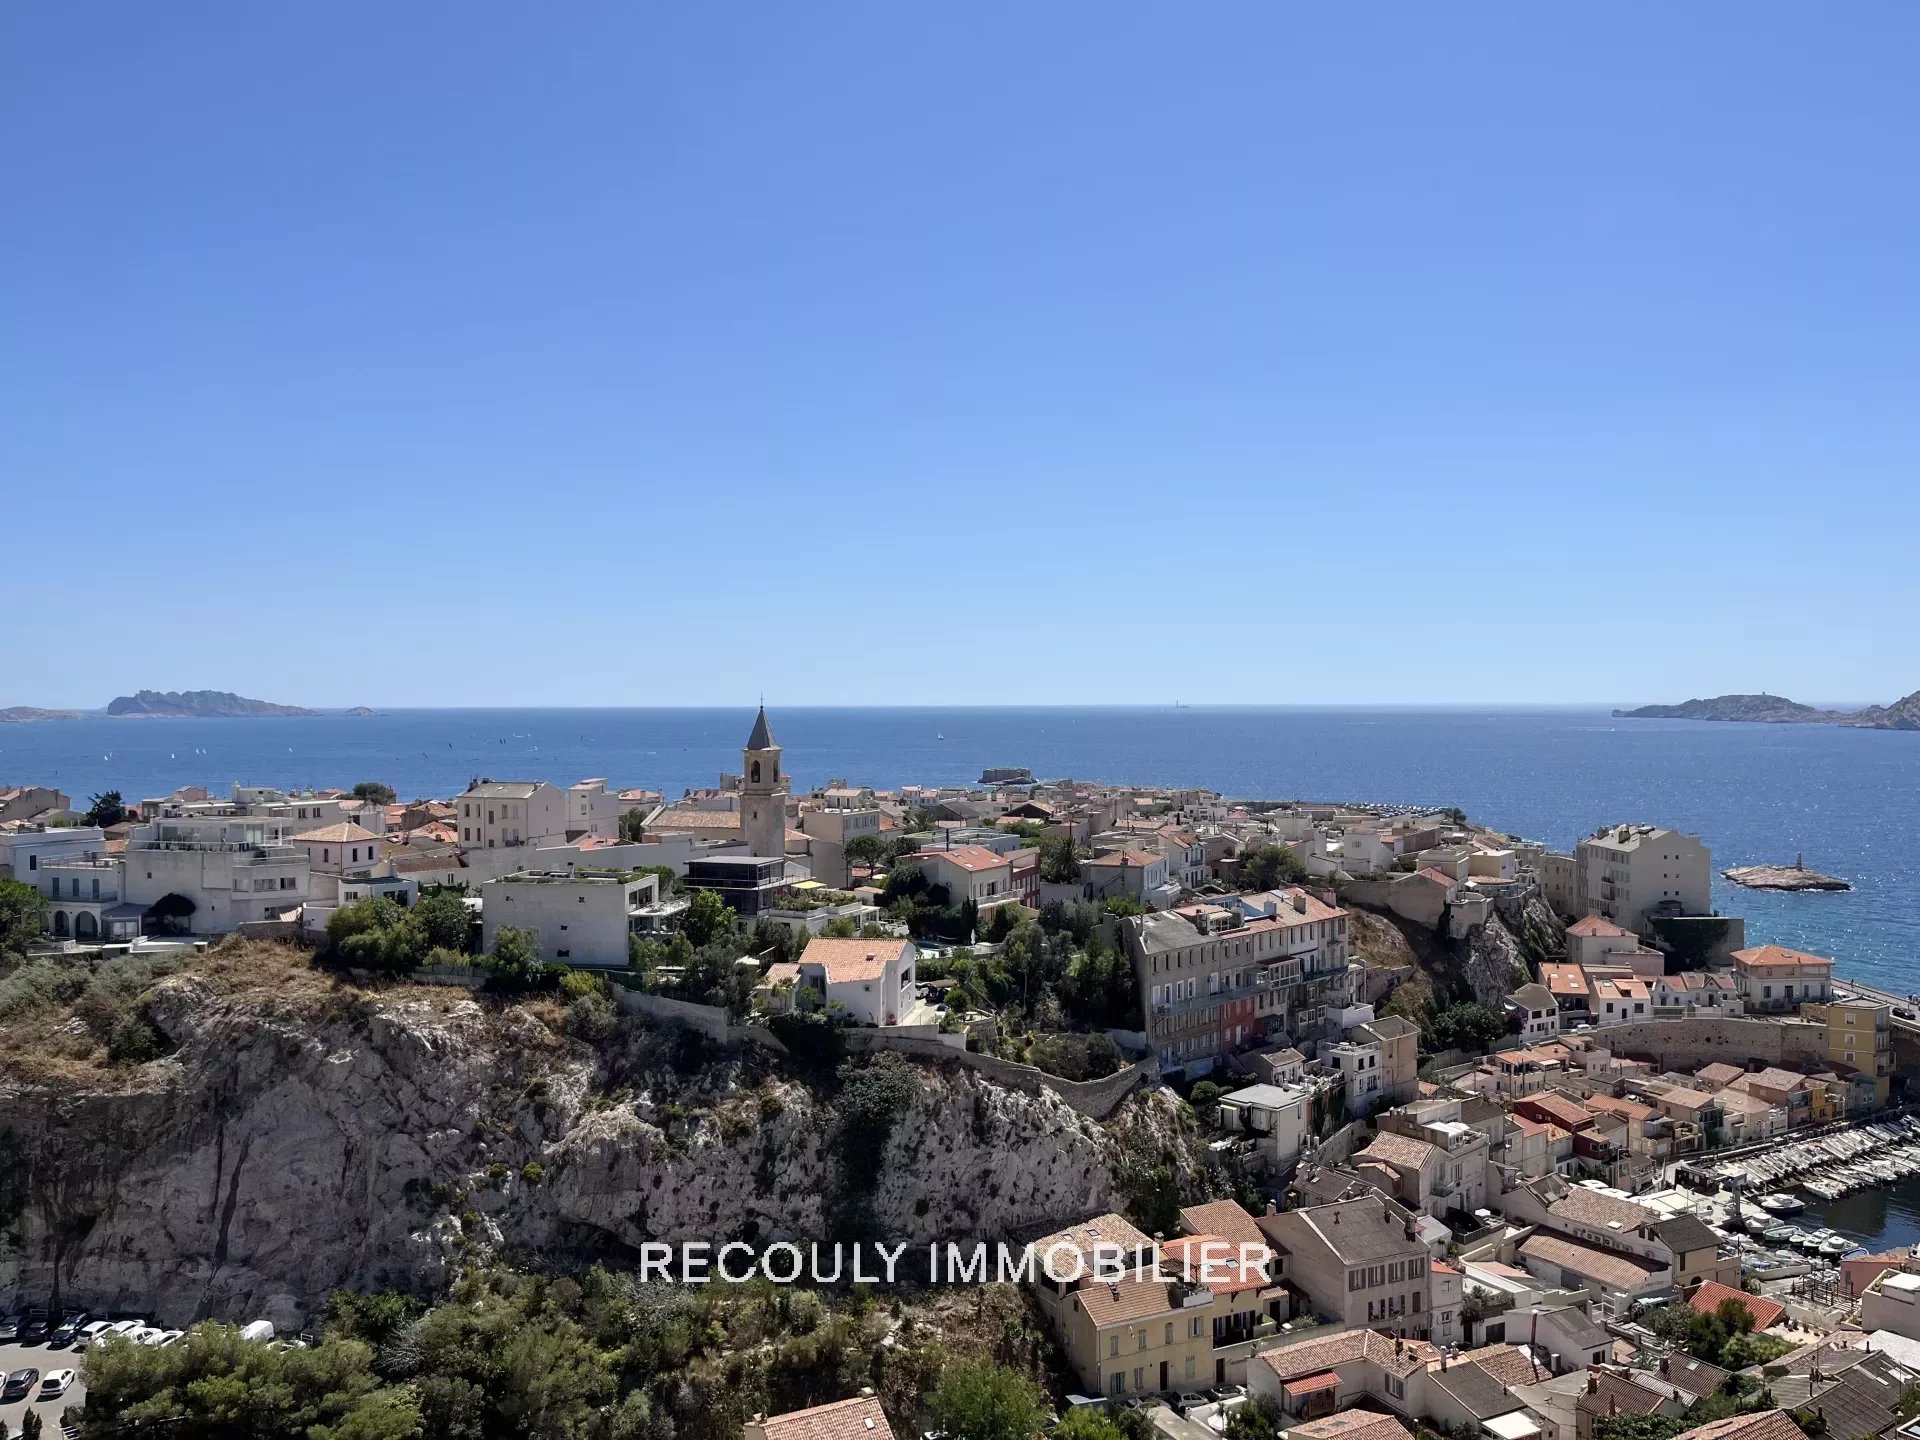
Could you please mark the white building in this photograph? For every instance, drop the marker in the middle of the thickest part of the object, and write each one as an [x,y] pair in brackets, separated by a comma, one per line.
[1279,1115]
[871,981]
[500,814]
[214,868]
[23,852]
[580,918]
[85,900]
[1359,1062]
[1634,873]
[592,809]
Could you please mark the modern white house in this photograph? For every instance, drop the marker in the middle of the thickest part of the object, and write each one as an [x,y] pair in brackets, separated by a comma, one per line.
[580,918]
[500,814]
[212,868]
[23,852]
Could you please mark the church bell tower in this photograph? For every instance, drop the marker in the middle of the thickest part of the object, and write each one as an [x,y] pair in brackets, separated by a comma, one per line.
[763,793]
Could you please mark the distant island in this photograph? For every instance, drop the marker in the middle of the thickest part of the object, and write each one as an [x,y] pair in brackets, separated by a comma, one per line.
[1765,709]
[361,711]
[26,714]
[1784,877]
[197,705]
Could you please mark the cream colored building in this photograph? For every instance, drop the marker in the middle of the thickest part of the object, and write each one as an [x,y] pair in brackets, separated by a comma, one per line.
[1633,873]
[501,814]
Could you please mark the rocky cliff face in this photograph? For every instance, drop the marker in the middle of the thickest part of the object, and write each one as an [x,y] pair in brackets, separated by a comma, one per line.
[273,1158]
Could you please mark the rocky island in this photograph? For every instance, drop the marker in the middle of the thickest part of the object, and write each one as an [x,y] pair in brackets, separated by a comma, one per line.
[198,704]
[27,714]
[1765,709]
[1784,877]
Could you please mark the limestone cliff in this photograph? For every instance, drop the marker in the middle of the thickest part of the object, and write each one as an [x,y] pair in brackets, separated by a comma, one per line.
[375,1139]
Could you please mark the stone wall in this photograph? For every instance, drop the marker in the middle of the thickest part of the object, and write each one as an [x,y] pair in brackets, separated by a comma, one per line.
[1701,1040]
[1095,1099]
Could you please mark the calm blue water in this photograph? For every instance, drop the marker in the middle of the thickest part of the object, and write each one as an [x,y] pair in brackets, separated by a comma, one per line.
[1754,792]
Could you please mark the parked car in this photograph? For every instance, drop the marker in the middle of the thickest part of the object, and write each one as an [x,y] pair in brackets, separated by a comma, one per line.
[91,1332]
[19,1383]
[9,1328]
[123,1327]
[258,1330]
[146,1335]
[1185,1405]
[34,1328]
[56,1384]
[167,1337]
[68,1328]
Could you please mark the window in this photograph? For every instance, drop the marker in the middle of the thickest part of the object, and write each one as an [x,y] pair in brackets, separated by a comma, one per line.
[1113,1346]
[1140,1341]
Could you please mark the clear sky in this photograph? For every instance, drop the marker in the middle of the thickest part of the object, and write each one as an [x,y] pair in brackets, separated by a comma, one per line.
[586,353]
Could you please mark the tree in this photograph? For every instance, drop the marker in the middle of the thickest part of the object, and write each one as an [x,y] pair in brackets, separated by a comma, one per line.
[445,920]
[1059,863]
[1258,1419]
[707,918]
[105,809]
[869,851]
[30,1425]
[977,1400]
[1266,867]
[1087,1422]
[515,965]
[1099,988]
[1466,1027]
[373,792]
[23,917]
[633,826]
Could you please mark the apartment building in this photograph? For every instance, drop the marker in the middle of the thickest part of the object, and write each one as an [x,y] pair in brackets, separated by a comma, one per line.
[500,814]
[581,918]
[1359,1261]
[592,809]
[1773,980]
[213,868]
[1233,973]
[1860,1037]
[842,815]
[1129,873]
[1633,874]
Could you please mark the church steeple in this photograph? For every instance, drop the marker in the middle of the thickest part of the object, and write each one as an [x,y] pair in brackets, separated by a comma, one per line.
[763,792]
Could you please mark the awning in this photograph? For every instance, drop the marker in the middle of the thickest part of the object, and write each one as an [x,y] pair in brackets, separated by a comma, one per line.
[1309,1384]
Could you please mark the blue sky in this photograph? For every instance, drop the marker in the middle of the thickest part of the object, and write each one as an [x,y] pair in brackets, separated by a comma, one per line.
[622,354]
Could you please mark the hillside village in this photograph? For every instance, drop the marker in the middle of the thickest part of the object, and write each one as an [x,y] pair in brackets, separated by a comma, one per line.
[1498,1135]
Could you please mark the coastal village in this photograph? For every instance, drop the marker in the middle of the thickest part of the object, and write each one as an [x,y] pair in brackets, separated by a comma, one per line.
[1508,1142]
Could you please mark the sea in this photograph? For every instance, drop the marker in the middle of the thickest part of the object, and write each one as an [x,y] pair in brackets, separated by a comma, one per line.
[1843,798]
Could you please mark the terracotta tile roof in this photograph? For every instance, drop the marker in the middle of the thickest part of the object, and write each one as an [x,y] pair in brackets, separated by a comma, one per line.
[1400,1151]
[1214,1261]
[1774,1078]
[853,960]
[1352,1425]
[1617,1271]
[1565,980]
[1508,1364]
[687,817]
[1766,1425]
[1311,1356]
[970,858]
[1115,1302]
[1590,1207]
[1712,1294]
[1108,1229]
[1129,859]
[1438,877]
[1612,1394]
[1560,1109]
[857,1419]
[1718,1076]
[346,832]
[1224,1218]
[1777,957]
[1597,927]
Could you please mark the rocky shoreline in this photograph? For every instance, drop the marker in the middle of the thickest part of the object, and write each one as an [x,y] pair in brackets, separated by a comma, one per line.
[1784,877]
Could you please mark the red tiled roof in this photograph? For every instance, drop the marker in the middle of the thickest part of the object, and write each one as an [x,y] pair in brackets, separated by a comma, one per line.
[1711,1294]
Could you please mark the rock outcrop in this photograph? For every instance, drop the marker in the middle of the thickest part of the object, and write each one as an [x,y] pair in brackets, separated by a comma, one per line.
[272,1158]
[197,704]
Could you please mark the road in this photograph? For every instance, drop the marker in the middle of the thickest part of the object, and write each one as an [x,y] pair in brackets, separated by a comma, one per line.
[46,1361]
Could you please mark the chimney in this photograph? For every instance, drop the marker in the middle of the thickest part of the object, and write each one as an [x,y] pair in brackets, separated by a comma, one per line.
[1593,1383]
[1663,1366]
[1272,1209]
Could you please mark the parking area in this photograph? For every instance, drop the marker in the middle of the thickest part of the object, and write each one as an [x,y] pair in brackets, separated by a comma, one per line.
[46,1360]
